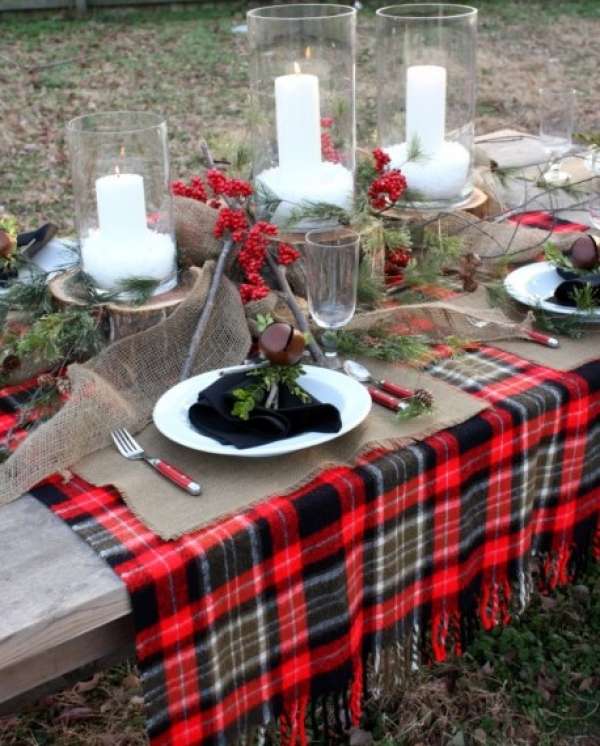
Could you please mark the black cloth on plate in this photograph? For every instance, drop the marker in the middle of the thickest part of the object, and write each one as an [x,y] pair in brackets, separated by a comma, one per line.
[564,294]
[211,415]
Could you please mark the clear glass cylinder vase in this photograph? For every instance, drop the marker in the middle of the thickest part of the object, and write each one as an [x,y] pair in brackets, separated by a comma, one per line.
[426,89]
[123,205]
[303,120]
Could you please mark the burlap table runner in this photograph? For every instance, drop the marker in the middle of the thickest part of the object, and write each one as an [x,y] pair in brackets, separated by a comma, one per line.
[571,354]
[119,386]
[231,484]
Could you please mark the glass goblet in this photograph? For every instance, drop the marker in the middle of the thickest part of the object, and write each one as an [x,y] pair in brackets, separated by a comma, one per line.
[331,258]
[557,120]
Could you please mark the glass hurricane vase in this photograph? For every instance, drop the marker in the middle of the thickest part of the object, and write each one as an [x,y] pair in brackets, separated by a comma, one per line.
[123,205]
[426,79]
[302,81]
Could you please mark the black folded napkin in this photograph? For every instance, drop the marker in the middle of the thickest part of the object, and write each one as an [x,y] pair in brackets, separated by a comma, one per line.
[564,294]
[211,415]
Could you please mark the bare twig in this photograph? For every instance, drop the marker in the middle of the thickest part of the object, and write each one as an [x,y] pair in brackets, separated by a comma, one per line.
[300,318]
[215,284]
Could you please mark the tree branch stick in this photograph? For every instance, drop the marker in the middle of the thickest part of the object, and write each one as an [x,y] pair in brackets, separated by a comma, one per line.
[215,283]
[300,318]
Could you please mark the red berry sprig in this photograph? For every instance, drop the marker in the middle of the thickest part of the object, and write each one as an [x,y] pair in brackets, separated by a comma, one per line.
[194,190]
[232,221]
[328,149]
[387,189]
[287,254]
[382,159]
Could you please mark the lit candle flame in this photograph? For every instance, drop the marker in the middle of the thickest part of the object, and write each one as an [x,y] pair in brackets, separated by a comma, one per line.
[297,68]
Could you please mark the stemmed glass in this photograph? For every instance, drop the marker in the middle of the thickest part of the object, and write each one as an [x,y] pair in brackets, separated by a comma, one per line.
[557,122]
[331,258]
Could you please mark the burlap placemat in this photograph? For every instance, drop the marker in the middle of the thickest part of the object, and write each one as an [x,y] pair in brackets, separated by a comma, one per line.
[571,354]
[231,484]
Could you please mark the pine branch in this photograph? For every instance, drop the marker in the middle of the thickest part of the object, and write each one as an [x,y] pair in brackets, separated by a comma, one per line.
[321,211]
[370,289]
[382,344]
[138,289]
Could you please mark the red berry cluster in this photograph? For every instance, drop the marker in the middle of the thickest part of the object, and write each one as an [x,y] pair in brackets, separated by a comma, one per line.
[287,254]
[328,150]
[194,190]
[253,240]
[396,261]
[382,159]
[387,189]
[252,292]
[252,258]
[234,188]
[233,221]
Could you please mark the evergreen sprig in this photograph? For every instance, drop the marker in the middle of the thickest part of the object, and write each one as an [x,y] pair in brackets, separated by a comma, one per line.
[32,298]
[254,394]
[568,326]
[383,344]
[69,334]
[415,408]
[436,253]
[553,255]
[322,211]
[138,290]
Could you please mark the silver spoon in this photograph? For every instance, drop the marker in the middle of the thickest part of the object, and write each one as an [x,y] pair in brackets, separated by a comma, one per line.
[378,388]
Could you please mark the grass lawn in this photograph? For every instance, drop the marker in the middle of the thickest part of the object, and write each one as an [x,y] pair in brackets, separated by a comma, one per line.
[534,683]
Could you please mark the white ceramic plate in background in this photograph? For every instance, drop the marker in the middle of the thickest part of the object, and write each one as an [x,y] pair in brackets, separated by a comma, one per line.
[533,284]
[328,386]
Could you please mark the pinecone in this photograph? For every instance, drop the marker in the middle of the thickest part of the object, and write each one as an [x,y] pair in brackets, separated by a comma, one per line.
[423,397]
[63,386]
[46,380]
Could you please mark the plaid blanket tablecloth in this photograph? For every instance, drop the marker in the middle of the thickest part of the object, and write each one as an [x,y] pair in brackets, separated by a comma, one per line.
[255,619]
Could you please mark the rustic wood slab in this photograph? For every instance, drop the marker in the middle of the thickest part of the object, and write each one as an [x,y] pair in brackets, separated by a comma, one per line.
[61,606]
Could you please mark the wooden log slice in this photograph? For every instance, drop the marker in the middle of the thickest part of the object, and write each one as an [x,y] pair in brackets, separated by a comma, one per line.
[125,319]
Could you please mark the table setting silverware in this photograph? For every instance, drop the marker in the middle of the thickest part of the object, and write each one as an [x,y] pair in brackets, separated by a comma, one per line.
[385,393]
[542,339]
[130,449]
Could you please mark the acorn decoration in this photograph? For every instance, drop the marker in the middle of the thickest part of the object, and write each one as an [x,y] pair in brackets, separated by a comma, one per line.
[584,253]
[282,344]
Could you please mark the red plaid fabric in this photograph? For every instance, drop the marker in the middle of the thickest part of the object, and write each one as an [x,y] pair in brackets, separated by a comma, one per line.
[248,621]
[547,222]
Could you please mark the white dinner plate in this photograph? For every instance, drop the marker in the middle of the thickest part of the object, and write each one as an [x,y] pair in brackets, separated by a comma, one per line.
[533,284]
[328,386]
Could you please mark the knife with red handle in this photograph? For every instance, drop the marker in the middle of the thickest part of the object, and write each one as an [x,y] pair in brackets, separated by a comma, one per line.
[385,400]
[543,339]
[393,388]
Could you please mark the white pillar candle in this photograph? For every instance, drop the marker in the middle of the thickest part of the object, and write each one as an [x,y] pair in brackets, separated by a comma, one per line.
[426,106]
[298,118]
[121,207]
[123,247]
